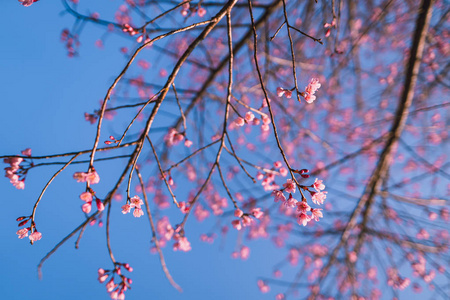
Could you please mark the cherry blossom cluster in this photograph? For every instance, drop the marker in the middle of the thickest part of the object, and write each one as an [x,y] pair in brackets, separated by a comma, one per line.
[167,232]
[329,26]
[89,197]
[90,177]
[310,90]
[27,2]
[268,178]
[281,91]
[116,290]
[111,141]
[245,218]
[71,41]
[250,119]
[318,196]
[16,173]
[173,137]
[135,203]
[34,236]
[186,9]
[395,280]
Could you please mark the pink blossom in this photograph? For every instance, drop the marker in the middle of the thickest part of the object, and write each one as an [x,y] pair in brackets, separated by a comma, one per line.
[263,287]
[35,236]
[236,224]
[138,212]
[201,12]
[313,86]
[303,207]
[110,286]
[126,208]
[187,143]
[249,116]
[27,2]
[310,98]
[278,196]
[281,91]
[245,252]
[100,205]
[22,233]
[91,118]
[182,244]
[257,213]
[92,177]
[316,214]
[20,184]
[319,197]
[86,196]
[303,219]
[238,213]
[289,186]
[136,202]
[246,220]
[239,122]
[86,208]
[318,185]
[184,208]
[291,202]
[27,152]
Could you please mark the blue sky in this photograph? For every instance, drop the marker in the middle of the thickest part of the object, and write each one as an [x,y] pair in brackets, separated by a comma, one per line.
[44,97]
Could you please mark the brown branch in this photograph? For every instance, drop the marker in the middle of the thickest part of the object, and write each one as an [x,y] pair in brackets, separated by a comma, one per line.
[154,238]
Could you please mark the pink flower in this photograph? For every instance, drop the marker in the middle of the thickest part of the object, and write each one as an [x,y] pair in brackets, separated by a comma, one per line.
[246,220]
[238,213]
[257,213]
[86,208]
[236,224]
[187,143]
[182,244]
[136,202]
[92,177]
[86,196]
[281,92]
[278,196]
[184,208]
[20,184]
[310,98]
[245,252]
[319,197]
[27,2]
[303,219]
[263,287]
[313,86]
[102,276]
[126,208]
[239,122]
[291,202]
[289,186]
[249,116]
[201,12]
[310,90]
[22,233]
[303,207]
[318,185]
[27,152]
[316,214]
[100,205]
[79,176]
[90,118]
[35,236]
[138,212]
